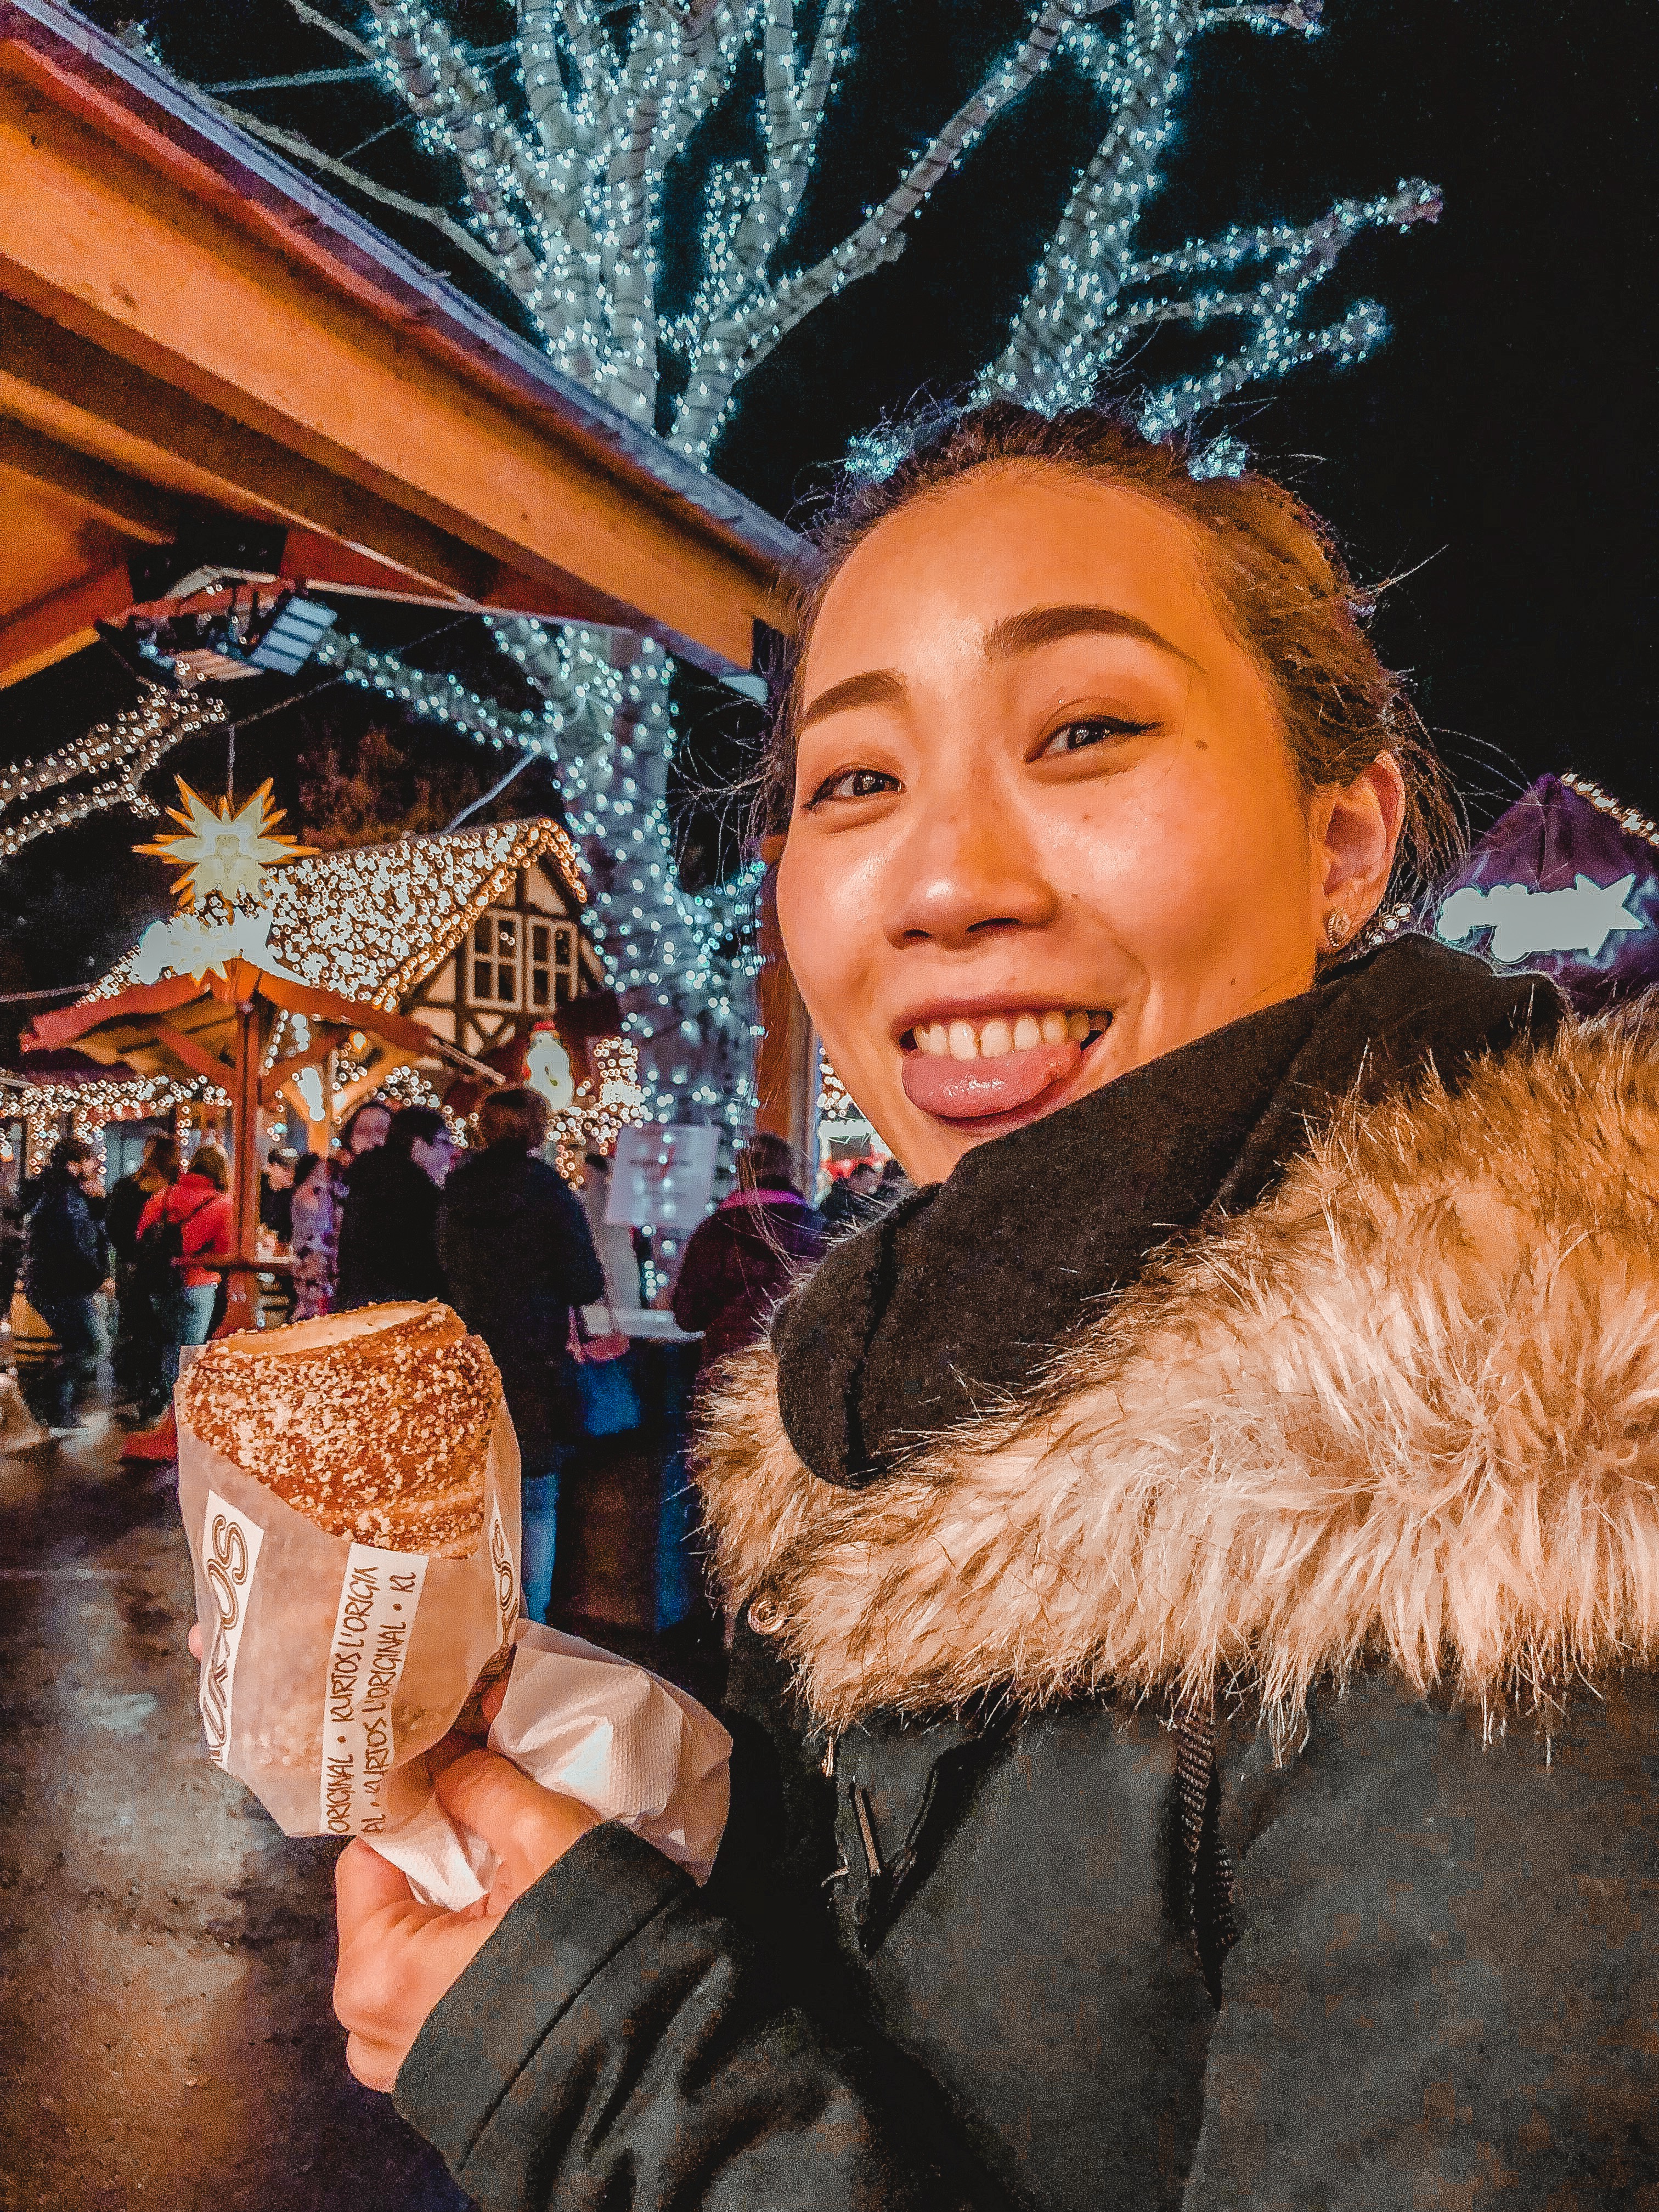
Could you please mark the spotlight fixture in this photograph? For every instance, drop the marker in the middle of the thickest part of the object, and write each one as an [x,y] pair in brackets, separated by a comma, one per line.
[288,641]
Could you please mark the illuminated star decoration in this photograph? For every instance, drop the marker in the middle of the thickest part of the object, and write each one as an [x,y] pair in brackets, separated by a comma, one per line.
[224,852]
[1523,921]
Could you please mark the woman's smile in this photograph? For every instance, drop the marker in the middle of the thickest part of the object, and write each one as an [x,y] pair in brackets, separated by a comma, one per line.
[1010,1064]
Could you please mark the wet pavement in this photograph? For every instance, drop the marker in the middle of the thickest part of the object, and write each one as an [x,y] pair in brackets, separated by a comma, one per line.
[167,2043]
[165,1953]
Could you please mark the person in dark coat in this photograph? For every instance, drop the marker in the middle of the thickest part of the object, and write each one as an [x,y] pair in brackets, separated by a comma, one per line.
[140,1329]
[851,1200]
[739,1261]
[518,1256]
[66,1264]
[388,1250]
[12,1219]
[1195,1692]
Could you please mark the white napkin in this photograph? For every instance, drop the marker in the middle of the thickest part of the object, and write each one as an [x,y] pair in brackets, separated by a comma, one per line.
[629,1746]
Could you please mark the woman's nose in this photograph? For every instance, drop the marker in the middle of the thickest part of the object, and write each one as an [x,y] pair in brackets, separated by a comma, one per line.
[967,872]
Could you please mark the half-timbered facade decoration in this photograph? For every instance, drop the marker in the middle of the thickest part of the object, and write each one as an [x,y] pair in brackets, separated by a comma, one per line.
[475,935]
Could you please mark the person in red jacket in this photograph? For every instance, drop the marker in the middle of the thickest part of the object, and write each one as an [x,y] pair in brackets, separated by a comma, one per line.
[199,1205]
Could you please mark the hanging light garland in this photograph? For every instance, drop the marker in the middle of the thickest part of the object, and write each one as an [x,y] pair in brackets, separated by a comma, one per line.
[133,744]
[91,1108]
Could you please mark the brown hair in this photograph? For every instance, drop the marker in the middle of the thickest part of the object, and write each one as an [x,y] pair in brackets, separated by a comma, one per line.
[161,1158]
[207,1160]
[1278,581]
[515,1115]
[768,1163]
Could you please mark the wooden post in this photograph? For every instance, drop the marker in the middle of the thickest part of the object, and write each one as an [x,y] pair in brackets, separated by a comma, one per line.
[244,1171]
[786,1064]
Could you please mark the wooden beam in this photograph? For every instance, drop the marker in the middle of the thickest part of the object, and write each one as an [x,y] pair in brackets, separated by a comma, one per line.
[196,1058]
[117,236]
[104,399]
[275,1079]
[786,1064]
[62,623]
[125,503]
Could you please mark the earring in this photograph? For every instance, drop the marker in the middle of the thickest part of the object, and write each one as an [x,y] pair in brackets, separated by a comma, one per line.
[1337,926]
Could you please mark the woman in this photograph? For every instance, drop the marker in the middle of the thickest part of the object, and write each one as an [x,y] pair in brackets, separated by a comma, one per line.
[66,1267]
[364,1131]
[315,1224]
[516,1252]
[184,1224]
[1198,1557]
[739,1262]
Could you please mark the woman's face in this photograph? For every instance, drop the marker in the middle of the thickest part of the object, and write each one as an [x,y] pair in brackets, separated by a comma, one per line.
[1046,825]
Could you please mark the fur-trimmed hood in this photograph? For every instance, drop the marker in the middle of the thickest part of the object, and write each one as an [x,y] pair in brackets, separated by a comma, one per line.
[1409,1406]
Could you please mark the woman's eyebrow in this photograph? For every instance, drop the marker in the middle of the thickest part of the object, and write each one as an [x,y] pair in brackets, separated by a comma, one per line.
[876,687]
[1037,626]
[1020,633]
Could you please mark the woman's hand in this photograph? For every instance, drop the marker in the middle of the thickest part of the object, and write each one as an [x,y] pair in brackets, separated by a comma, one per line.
[398,1957]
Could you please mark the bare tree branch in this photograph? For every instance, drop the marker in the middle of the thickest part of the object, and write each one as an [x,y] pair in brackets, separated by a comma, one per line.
[319,22]
[303,151]
[734,347]
[1082,270]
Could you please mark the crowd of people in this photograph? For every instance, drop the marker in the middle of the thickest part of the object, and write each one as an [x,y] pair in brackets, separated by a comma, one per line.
[400,1212]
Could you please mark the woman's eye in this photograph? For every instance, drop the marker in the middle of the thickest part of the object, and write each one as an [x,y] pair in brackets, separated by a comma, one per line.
[1076,737]
[853,783]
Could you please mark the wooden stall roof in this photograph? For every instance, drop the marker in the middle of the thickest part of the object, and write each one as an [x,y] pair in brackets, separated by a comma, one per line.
[374,920]
[194,337]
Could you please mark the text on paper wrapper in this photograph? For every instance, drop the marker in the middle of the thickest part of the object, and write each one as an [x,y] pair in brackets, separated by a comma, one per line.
[377,1602]
[230,1553]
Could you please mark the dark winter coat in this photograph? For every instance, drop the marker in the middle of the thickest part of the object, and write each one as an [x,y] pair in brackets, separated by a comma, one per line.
[122,1214]
[388,1233]
[518,1255]
[1377,1465]
[738,1263]
[67,1253]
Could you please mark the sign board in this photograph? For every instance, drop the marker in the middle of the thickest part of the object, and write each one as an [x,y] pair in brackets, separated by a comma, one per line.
[662,1177]
[1565,885]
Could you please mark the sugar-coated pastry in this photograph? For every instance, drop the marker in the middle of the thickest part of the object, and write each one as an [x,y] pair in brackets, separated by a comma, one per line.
[374,1424]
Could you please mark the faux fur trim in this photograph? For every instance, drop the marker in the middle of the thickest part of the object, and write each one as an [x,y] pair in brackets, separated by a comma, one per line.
[1409,1406]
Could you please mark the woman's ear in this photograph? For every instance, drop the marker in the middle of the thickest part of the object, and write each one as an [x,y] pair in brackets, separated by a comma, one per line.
[1356,833]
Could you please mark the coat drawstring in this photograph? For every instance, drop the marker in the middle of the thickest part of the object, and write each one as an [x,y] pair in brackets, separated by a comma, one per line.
[1207,1872]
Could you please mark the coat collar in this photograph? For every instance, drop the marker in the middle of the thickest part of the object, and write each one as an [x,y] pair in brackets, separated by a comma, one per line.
[956,1297]
[1406,1408]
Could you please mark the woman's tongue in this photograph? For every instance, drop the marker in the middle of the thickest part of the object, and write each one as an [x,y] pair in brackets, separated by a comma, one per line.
[970,1089]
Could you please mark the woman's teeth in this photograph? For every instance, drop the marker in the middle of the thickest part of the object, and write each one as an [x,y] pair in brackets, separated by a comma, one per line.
[1006,1033]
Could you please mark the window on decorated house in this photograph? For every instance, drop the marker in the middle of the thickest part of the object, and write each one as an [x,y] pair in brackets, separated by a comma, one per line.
[521,962]
[496,942]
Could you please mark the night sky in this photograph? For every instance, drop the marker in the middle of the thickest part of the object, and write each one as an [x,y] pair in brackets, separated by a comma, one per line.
[1497,456]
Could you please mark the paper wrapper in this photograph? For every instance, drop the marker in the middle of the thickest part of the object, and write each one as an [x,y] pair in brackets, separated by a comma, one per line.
[629,1746]
[329,1666]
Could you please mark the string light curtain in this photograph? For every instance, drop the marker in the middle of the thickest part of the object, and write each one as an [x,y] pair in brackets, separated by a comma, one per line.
[132,745]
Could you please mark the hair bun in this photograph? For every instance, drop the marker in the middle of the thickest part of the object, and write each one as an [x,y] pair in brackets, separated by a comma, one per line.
[374,1424]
